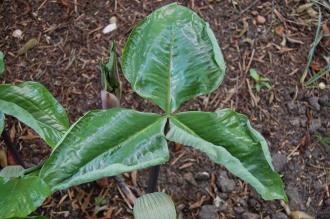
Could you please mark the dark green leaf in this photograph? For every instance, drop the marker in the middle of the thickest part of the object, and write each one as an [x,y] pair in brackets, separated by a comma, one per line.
[31,103]
[2,64]
[173,56]
[21,196]
[228,139]
[12,172]
[106,143]
[154,205]
[109,74]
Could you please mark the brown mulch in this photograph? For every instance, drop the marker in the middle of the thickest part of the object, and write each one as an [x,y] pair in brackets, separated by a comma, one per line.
[71,45]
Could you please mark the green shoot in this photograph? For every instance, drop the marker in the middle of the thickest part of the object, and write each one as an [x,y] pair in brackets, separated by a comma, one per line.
[259,80]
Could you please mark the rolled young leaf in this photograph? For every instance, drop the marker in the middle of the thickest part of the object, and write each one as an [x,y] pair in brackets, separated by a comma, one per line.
[21,196]
[106,143]
[228,139]
[31,103]
[172,56]
[154,205]
[109,74]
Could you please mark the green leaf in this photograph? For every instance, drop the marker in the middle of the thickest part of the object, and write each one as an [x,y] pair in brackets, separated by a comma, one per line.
[12,172]
[109,74]
[31,103]
[2,64]
[106,143]
[21,196]
[228,139]
[173,56]
[258,87]
[2,122]
[254,74]
[31,217]
[154,205]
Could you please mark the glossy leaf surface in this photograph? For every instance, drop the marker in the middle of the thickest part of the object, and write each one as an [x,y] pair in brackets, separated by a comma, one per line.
[31,103]
[154,205]
[173,56]
[228,139]
[106,143]
[21,196]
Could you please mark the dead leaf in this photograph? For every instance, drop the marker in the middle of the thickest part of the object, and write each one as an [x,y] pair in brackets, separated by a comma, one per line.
[27,46]
[178,147]
[279,31]
[10,159]
[292,40]
[300,215]
[244,29]
[3,158]
[312,13]
[304,7]
[103,182]
[315,66]
[325,28]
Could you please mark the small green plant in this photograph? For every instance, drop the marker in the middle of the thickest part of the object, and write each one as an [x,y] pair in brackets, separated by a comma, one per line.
[259,80]
[170,58]
[324,140]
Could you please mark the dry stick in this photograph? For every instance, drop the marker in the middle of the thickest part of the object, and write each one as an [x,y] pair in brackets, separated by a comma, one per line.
[109,102]
[11,147]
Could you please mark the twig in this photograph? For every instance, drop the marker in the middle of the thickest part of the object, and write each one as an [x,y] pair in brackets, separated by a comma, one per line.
[248,7]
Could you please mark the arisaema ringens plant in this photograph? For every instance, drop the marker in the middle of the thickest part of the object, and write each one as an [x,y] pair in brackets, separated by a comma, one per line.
[171,57]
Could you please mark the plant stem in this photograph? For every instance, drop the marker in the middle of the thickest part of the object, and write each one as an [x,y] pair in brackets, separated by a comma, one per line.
[153,177]
[12,149]
[154,171]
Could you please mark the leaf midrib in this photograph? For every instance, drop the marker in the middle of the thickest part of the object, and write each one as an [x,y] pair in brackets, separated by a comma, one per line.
[118,145]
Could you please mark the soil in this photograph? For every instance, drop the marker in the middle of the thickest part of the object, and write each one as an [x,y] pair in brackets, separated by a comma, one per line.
[290,116]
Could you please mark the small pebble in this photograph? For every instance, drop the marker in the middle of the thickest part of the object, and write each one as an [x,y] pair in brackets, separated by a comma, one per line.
[224,183]
[239,210]
[248,215]
[280,215]
[279,161]
[208,212]
[220,204]
[17,34]
[202,176]
[314,102]
[322,85]
[315,125]
[189,178]
[260,19]
[324,100]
